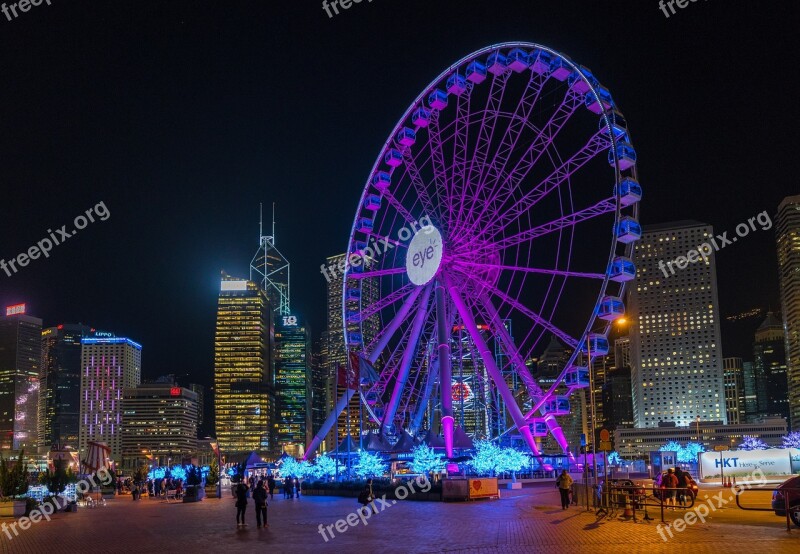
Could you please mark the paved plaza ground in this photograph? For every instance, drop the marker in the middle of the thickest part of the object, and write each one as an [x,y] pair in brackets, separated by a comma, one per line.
[521,521]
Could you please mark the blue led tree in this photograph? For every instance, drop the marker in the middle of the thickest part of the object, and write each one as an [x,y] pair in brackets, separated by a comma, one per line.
[369,465]
[688,454]
[511,460]
[792,440]
[324,468]
[292,468]
[425,460]
[614,459]
[671,446]
[752,443]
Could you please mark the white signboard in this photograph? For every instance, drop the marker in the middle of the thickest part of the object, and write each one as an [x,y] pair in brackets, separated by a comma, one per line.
[424,255]
[234,285]
[740,463]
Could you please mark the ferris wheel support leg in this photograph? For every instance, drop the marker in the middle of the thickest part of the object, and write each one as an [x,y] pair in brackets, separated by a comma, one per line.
[332,417]
[557,432]
[408,358]
[491,366]
[445,370]
[508,345]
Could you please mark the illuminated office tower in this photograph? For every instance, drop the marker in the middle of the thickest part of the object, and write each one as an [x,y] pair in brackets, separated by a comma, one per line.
[244,399]
[320,387]
[788,240]
[769,353]
[734,390]
[292,385]
[336,351]
[159,424]
[676,353]
[20,367]
[60,387]
[108,365]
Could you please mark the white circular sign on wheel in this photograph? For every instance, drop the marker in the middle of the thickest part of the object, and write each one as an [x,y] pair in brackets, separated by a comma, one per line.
[424,255]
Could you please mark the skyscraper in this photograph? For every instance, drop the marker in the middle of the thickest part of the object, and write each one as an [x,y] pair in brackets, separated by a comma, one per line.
[734,390]
[335,347]
[320,387]
[60,387]
[20,366]
[751,410]
[271,270]
[617,401]
[788,240]
[676,355]
[292,385]
[200,391]
[108,365]
[244,399]
[159,423]
[769,353]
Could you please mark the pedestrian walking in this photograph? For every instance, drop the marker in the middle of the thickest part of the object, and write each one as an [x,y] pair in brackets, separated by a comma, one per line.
[271,486]
[260,500]
[564,485]
[241,504]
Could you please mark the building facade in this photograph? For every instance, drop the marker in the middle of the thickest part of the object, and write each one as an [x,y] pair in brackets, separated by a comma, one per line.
[108,366]
[634,443]
[617,401]
[159,424]
[293,385]
[734,390]
[320,387]
[788,242]
[769,355]
[60,396]
[244,398]
[676,354]
[20,374]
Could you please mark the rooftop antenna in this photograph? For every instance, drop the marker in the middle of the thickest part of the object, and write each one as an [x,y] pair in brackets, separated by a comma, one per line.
[270,268]
[273,223]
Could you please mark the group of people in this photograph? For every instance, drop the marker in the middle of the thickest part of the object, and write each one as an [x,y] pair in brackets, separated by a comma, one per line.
[674,485]
[259,489]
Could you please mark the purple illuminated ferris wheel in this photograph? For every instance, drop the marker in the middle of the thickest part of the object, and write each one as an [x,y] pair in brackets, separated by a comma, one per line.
[501,212]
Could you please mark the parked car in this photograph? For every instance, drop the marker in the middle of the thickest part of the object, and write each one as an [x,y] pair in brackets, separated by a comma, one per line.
[620,488]
[691,486]
[791,489]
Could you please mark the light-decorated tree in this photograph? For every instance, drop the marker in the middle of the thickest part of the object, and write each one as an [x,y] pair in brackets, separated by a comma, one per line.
[671,446]
[484,461]
[614,459]
[511,460]
[425,460]
[369,465]
[792,440]
[292,468]
[752,443]
[688,454]
[324,467]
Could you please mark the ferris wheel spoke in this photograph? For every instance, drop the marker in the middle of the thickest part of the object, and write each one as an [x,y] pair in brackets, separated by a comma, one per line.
[606,206]
[557,272]
[480,154]
[408,356]
[437,158]
[596,145]
[386,334]
[376,307]
[376,273]
[566,338]
[413,174]
[537,148]
[460,143]
[398,206]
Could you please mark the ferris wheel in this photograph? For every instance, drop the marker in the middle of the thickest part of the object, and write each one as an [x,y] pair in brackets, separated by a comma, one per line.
[500,213]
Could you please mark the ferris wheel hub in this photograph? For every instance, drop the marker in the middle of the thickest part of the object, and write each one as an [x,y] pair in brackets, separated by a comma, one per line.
[424,257]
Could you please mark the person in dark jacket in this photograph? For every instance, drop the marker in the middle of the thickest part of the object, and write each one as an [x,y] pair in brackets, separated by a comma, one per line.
[564,485]
[366,496]
[241,504]
[271,486]
[288,487]
[296,487]
[260,500]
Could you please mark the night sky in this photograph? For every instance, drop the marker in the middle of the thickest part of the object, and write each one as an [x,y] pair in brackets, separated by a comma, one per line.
[182,116]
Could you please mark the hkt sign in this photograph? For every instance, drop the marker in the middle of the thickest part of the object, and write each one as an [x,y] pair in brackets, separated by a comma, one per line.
[737,463]
[15,309]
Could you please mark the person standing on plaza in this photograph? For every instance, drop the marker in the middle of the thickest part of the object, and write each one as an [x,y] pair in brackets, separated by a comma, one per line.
[260,500]
[670,483]
[271,486]
[296,487]
[287,487]
[241,504]
[564,484]
[366,495]
[682,484]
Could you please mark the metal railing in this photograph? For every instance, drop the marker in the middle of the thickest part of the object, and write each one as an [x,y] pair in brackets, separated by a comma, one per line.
[786,499]
[611,498]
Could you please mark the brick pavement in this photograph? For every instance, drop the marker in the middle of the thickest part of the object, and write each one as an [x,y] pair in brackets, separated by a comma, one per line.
[522,521]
